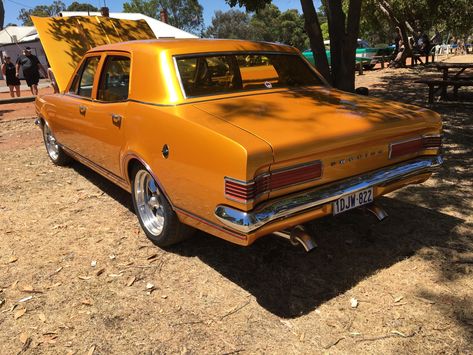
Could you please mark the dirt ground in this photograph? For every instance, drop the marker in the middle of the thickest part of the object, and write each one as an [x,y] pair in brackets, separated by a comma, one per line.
[14,111]
[78,276]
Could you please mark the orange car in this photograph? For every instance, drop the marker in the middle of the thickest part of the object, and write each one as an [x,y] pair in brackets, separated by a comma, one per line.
[235,138]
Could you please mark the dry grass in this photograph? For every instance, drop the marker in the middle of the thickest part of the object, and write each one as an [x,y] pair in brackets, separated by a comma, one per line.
[411,274]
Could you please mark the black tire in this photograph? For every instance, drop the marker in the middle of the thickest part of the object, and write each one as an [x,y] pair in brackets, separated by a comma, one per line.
[156,217]
[54,150]
[369,66]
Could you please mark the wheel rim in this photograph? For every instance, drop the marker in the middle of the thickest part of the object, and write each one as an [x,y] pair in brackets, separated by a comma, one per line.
[148,202]
[51,144]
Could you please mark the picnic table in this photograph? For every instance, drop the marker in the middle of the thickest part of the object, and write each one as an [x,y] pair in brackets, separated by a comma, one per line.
[452,75]
[445,68]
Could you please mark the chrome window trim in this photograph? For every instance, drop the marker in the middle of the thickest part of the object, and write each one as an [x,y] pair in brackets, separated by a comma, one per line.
[179,79]
[241,52]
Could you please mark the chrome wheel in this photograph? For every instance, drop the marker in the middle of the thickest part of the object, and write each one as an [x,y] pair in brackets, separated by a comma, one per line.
[148,202]
[51,145]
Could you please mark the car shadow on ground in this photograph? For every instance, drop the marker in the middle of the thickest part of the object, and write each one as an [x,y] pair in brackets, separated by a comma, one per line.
[289,282]
[114,191]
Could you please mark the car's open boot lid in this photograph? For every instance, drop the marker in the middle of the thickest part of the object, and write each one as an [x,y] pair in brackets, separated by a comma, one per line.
[66,39]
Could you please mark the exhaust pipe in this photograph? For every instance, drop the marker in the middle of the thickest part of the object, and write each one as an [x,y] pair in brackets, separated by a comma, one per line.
[379,212]
[298,236]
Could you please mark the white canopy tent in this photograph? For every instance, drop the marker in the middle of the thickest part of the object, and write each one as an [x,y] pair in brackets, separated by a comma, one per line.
[15,34]
[160,29]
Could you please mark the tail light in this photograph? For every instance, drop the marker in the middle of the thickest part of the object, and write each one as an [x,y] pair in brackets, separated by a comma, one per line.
[432,142]
[246,191]
[414,145]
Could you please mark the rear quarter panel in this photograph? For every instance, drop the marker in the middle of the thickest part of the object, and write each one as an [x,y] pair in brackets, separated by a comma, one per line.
[202,151]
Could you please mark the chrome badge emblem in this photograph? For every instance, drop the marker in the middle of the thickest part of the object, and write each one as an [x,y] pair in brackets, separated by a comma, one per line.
[357,157]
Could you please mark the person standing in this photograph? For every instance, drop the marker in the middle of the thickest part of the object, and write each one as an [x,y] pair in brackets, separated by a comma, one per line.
[9,73]
[31,67]
[397,40]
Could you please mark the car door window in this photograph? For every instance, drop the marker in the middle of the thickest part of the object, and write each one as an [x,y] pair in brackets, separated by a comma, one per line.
[115,79]
[84,80]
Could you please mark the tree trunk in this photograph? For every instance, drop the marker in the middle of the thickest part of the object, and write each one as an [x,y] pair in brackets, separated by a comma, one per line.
[343,42]
[387,9]
[2,15]
[312,27]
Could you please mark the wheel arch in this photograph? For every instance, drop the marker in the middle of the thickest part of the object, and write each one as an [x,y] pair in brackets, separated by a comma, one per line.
[133,160]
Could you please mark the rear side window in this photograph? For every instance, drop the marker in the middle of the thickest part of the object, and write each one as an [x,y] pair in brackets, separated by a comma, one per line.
[84,79]
[115,79]
[219,74]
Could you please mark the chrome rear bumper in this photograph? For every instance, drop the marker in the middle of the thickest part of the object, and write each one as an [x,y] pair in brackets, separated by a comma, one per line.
[286,206]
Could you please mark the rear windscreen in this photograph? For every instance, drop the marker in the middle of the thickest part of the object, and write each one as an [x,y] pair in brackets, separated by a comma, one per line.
[219,74]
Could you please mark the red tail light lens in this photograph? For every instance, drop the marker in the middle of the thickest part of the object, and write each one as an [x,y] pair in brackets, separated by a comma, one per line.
[414,145]
[297,175]
[246,191]
[240,190]
[432,142]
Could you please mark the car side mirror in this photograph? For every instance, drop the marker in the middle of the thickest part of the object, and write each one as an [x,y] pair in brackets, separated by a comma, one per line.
[362,91]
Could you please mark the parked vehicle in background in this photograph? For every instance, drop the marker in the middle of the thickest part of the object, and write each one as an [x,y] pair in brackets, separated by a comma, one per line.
[364,53]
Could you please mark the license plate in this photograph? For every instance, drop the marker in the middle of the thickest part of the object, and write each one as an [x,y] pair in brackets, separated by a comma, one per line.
[354,200]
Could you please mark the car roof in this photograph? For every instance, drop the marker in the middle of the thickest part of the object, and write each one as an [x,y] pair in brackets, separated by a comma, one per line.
[194,46]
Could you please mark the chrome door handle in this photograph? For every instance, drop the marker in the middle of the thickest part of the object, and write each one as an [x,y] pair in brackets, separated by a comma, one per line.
[82,109]
[116,119]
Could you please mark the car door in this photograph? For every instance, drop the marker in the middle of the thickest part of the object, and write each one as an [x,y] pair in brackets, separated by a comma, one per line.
[106,114]
[70,114]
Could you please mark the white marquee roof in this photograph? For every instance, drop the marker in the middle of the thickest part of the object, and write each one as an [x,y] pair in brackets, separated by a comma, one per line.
[159,28]
[13,34]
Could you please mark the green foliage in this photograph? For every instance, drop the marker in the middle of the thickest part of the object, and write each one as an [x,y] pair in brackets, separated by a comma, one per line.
[457,17]
[264,24]
[422,15]
[183,14]
[149,8]
[375,26]
[268,24]
[291,29]
[324,29]
[77,6]
[40,11]
[251,5]
[232,24]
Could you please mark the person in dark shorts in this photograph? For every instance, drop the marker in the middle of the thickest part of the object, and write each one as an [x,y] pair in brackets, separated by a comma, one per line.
[31,67]
[9,73]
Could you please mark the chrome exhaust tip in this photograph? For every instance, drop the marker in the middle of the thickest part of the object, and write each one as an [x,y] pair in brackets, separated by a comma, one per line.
[378,211]
[298,236]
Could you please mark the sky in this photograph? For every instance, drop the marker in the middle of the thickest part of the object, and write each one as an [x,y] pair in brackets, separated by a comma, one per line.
[12,7]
